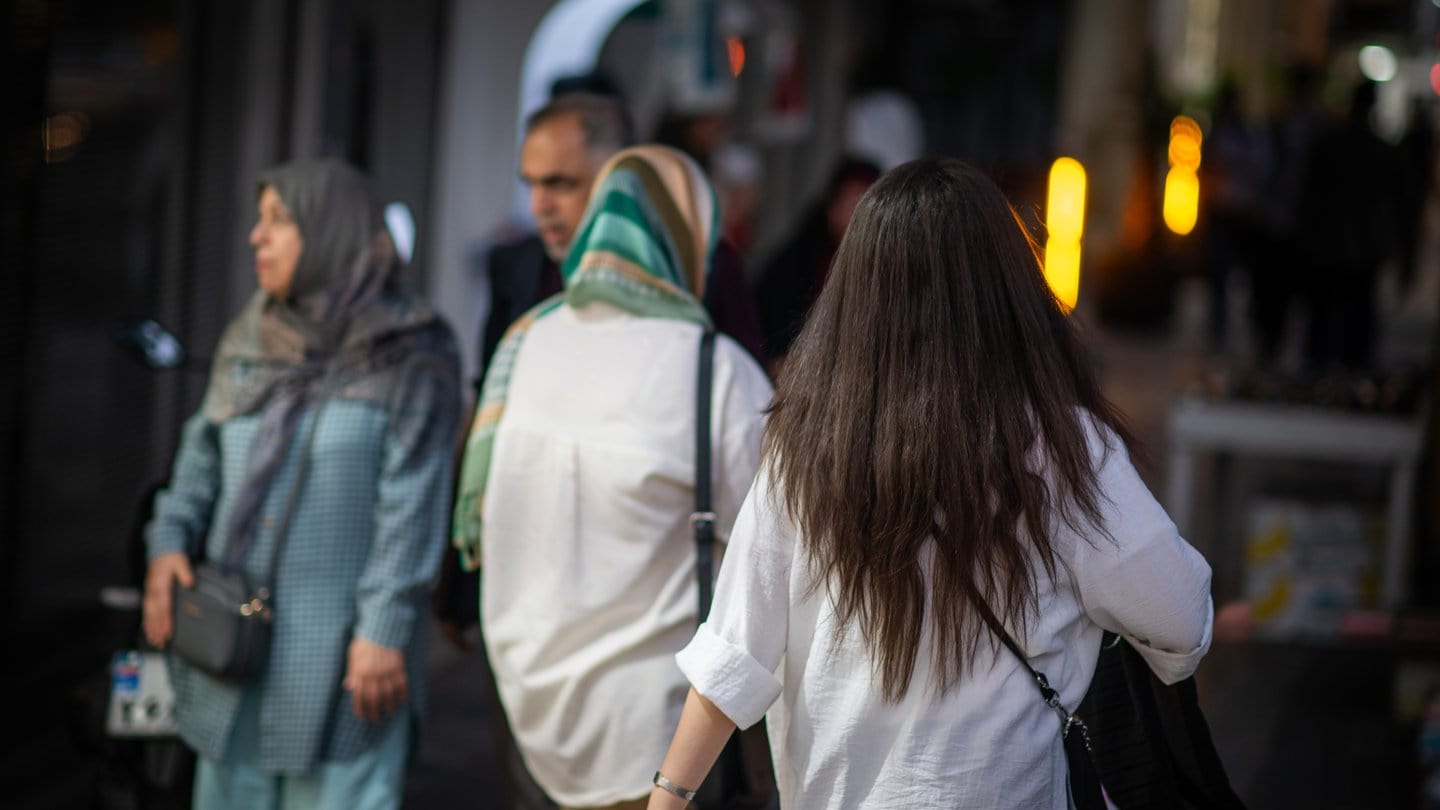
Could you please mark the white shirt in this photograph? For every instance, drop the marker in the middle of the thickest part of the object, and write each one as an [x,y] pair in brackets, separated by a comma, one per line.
[990,742]
[588,585]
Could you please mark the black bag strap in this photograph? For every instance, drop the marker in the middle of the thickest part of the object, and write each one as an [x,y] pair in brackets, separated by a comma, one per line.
[1047,692]
[743,786]
[1085,789]
[702,520]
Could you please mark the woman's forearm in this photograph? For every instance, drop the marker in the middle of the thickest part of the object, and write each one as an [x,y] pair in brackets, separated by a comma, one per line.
[698,741]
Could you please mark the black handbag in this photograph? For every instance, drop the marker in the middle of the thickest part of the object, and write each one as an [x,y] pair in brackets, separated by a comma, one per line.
[1152,745]
[1084,785]
[743,776]
[223,622]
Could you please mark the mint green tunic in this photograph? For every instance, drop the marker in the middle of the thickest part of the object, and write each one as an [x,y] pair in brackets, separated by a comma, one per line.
[364,545]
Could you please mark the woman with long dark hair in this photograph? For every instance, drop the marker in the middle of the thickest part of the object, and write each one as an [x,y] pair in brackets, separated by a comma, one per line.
[940,467]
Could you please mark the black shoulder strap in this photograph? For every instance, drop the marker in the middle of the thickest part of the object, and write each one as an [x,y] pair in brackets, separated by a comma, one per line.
[703,518]
[1047,693]
[1084,780]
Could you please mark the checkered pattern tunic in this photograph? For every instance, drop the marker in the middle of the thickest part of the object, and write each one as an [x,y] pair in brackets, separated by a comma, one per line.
[364,544]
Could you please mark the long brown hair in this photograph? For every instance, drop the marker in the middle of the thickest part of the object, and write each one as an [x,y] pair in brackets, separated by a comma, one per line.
[934,389]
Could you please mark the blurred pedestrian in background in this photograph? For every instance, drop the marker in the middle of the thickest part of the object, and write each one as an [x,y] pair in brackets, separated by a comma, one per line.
[1275,276]
[1233,176]
[698,133]
[1349,220]
[1416,174]
[326,435]
[736,170]
[940,469]
[794,277]
[579,482]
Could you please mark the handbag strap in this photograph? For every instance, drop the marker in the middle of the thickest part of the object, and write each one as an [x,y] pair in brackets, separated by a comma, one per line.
[702,520]
[1047,692]
[1085,790]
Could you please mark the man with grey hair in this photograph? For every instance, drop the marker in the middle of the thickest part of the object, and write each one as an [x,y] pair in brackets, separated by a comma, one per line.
[566,142]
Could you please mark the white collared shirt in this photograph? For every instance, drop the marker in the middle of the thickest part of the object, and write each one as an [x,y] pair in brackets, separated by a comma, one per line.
[989,742]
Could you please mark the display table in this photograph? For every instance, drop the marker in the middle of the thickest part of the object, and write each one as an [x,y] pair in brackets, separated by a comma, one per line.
[1303,433]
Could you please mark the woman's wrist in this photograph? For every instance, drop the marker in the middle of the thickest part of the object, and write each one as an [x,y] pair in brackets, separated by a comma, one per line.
[661,799]
[664,784]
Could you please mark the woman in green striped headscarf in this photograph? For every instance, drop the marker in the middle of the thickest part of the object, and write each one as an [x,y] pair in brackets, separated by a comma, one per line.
[578,482]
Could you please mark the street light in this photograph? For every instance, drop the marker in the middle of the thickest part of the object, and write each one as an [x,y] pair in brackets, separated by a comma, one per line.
[1181,207]
[1065,224]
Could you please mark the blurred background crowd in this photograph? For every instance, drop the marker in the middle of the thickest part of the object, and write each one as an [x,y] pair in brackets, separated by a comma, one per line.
[1239,199]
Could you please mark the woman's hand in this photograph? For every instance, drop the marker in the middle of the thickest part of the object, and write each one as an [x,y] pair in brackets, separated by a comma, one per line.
[375,678]
[1234,621]
[160,578]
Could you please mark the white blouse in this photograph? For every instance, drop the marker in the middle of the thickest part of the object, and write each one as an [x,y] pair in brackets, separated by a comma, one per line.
[588,585]
[990,742]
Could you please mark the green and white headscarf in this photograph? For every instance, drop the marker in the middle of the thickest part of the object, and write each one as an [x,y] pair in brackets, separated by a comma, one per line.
[645,246]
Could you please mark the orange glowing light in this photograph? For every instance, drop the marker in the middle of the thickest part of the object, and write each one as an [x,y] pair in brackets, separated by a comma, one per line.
[1185,139]
[1185,125]
[736,49]
[1185,151]
[1435,79]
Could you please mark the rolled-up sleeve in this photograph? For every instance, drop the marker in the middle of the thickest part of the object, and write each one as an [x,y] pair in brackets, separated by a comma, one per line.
[1148,585]
[728,676]
[734,655]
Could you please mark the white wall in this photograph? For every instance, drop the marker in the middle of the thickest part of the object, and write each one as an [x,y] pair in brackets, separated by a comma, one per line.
[475,152]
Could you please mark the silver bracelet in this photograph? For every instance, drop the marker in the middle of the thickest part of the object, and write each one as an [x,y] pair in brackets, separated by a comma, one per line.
[670,787]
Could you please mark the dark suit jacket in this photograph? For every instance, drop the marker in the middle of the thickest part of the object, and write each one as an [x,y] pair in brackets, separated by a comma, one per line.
[521,276]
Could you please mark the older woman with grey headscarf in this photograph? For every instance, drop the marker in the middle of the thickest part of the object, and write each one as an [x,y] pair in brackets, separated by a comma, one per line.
[320,463]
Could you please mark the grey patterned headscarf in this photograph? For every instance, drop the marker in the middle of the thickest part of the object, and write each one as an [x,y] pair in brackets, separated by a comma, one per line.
[350,327]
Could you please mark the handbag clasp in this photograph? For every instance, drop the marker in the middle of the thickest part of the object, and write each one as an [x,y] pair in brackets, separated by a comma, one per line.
[256,607]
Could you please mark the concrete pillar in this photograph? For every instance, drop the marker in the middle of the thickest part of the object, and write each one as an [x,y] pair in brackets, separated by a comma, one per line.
[475,153]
